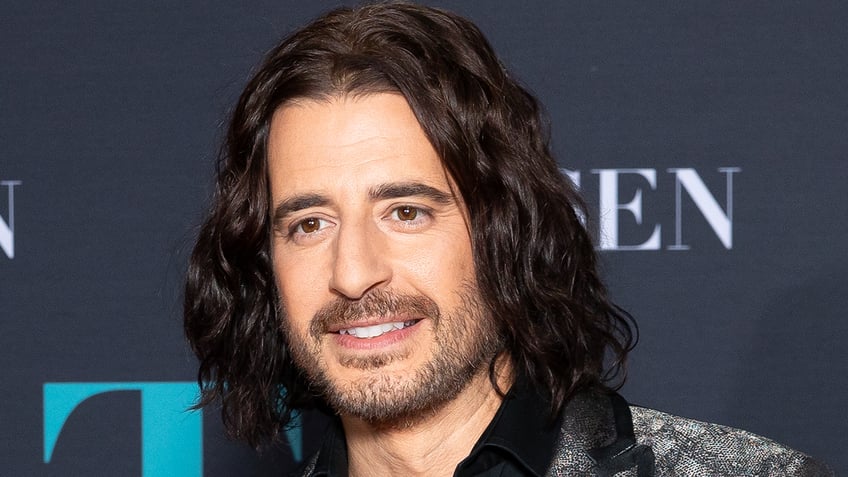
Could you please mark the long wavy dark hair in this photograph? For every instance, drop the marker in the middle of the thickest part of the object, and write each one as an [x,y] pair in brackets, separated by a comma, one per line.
[535,262]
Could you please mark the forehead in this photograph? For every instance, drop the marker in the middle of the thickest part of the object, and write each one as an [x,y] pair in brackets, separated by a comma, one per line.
[347,142]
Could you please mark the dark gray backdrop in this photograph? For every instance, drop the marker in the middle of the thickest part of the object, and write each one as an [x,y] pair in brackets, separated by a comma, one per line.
[110,116]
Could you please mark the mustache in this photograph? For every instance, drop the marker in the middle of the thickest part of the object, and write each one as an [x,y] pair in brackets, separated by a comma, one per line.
[379,303]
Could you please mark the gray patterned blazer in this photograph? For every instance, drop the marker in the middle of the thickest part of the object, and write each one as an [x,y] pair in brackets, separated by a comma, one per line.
[602,435]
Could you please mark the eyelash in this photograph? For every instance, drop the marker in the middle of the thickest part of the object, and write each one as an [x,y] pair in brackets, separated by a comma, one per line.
[297,227]
[421,214]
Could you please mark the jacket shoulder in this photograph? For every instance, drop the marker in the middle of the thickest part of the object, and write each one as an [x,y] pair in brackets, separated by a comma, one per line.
[684,446]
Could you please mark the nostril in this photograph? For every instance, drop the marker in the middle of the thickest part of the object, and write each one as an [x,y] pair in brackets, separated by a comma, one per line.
[361,262]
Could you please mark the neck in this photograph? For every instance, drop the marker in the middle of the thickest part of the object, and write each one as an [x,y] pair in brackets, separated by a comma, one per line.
[432,445]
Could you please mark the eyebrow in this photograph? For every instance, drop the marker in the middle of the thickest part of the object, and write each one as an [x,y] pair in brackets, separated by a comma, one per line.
[397,190]
[298,202]
[394,190]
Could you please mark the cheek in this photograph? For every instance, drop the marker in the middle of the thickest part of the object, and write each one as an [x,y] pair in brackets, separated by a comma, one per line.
[442,266]
[299,291]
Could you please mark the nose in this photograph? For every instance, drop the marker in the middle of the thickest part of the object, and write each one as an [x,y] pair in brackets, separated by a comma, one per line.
[361,262]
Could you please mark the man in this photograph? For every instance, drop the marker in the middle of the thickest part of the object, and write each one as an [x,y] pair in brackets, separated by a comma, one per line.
[392,241]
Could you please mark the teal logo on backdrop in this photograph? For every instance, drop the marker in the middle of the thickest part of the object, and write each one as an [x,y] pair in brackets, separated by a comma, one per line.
[7,226]
[171,435]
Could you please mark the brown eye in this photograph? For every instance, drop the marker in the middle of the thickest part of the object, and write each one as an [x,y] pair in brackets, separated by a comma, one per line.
[310,225]
[407,213]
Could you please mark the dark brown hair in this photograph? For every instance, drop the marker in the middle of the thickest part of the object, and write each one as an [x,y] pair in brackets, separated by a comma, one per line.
[535,262]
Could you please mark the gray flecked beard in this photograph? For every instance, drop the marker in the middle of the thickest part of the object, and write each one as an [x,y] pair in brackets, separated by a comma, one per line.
[465,343]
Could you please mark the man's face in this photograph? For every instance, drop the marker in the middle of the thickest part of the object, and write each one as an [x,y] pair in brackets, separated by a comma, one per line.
[372,257]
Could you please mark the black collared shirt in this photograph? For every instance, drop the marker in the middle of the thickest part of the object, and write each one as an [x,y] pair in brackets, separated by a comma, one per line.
[519,441]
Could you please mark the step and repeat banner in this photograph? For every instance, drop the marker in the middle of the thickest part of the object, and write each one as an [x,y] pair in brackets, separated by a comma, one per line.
[710,140]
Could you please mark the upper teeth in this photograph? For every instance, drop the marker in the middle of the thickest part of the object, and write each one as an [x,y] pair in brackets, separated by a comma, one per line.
[375,330]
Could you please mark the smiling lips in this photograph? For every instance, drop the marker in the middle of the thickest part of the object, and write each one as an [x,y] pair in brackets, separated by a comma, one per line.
[373,331]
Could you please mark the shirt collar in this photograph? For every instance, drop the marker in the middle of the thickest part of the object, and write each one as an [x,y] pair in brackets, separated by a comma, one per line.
[521,430]
[332,457]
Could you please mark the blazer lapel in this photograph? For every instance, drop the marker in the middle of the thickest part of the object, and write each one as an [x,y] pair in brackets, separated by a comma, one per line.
[597,438]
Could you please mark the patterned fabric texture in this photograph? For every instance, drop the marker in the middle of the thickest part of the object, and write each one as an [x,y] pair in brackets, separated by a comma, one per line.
[604,436]
[688,447]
